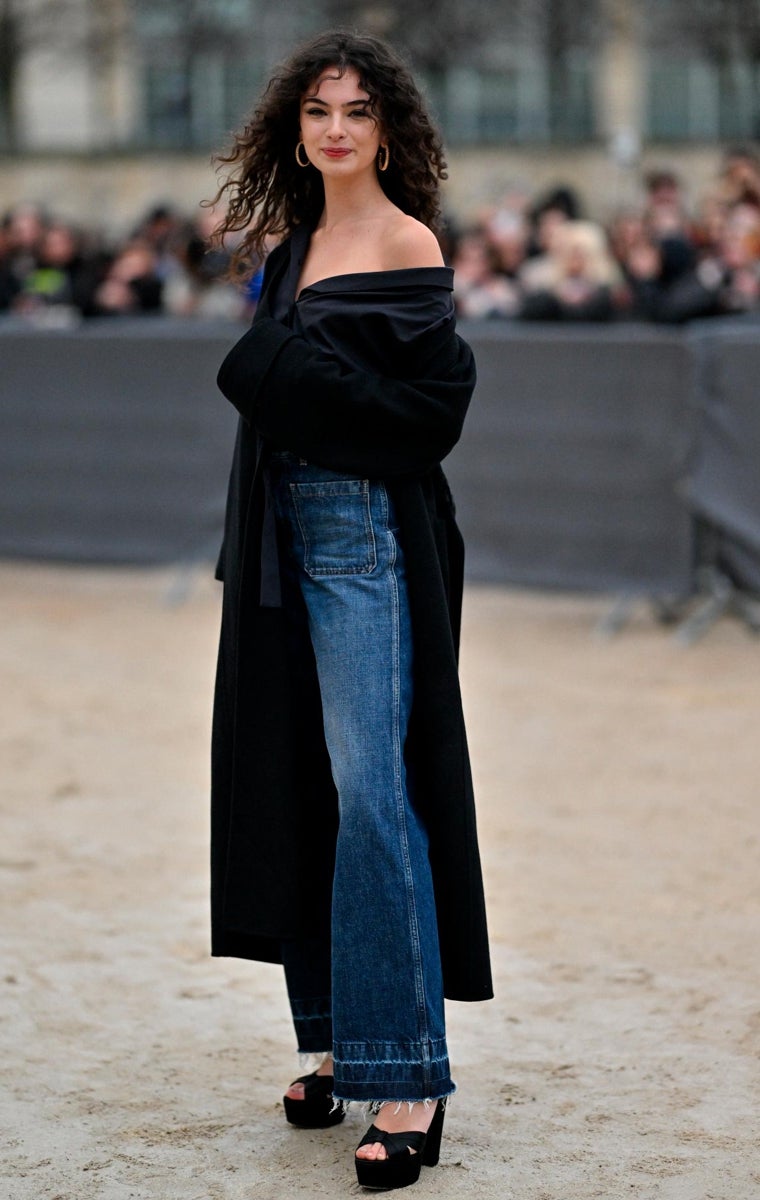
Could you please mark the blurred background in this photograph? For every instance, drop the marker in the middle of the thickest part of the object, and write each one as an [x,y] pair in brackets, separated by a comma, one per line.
[603,209]
[591,88]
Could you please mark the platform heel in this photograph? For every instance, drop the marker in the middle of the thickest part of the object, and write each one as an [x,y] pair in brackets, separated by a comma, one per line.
[401,1168]
[317,1109]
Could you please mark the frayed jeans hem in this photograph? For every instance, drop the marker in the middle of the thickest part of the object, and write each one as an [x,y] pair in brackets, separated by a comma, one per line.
[372,1107]
[374,1093]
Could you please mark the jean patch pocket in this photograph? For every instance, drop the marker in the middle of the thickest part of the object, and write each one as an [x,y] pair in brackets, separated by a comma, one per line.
[335,521]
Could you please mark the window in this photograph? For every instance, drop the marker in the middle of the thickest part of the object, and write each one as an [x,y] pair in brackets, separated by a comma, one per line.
[478,106]
[693,99]
[521,103]
[196,104]
[200,70]
[738,87]
[571,108]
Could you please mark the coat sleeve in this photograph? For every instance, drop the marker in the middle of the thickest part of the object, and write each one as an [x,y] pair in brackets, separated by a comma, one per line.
[304,400]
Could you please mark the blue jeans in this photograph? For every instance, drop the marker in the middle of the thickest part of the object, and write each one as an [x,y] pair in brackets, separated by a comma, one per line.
[372,993]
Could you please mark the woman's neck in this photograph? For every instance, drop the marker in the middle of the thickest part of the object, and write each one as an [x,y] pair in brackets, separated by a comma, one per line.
[352,200]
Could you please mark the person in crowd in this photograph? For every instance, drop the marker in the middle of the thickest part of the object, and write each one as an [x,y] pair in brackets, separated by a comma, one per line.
[710,219]
[625,230]
[547,216]
[665,212]
[579,277]
[508,233]
[739,179]
[655,272]
[670,285]
[197,284]
[480,289]
[344,840]
[132,284]
[553,208]
[25,227]
[63,276]
[731,277]
[9,283]
[163,231]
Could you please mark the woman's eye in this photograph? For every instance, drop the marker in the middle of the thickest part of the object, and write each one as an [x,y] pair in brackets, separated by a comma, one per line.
[315,112]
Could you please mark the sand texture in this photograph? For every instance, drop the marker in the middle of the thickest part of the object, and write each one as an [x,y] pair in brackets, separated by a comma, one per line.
[618,785]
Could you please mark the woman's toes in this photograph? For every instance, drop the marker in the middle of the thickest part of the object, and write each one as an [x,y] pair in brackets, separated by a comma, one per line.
[295,1091]
[372,1151]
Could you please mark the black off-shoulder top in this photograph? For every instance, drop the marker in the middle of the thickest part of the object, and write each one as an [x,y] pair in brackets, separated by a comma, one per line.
[371,320]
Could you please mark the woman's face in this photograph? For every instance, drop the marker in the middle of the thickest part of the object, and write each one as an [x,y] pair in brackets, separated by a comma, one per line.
[472,260]
[576,261]
[341,136]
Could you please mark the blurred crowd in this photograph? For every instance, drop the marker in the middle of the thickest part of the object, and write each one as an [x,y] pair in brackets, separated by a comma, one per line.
[54,273]
[527,258]
[542,260]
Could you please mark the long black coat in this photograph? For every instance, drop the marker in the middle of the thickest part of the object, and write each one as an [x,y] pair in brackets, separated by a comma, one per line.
[274,807]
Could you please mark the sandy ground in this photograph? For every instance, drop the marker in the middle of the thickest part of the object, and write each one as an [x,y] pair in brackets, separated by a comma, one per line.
[618,795]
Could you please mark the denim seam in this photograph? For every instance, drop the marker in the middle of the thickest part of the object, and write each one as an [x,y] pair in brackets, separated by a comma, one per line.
[389,1062]
[419,984]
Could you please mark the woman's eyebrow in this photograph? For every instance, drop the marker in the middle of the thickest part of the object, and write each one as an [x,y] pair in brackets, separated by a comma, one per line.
[347,104]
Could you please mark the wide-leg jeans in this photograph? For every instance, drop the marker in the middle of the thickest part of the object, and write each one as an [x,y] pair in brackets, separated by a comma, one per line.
[374,996]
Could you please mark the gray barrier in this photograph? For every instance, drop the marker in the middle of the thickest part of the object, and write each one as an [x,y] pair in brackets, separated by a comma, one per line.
[723,486]
[116,445]
[115,442]
[566,474]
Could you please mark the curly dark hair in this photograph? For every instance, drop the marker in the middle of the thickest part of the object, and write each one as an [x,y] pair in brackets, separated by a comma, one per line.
[268,194]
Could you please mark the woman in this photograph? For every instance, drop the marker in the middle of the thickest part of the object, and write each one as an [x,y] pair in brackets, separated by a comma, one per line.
[576,280]
[343,828]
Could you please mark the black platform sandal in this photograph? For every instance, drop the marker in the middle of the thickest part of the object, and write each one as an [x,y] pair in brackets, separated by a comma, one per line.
[316,1110]
[402,1167]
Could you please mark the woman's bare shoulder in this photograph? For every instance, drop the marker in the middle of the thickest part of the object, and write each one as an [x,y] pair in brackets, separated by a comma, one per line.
[409,243]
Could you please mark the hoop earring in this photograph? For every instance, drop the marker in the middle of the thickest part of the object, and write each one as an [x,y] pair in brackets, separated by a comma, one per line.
[383,165]
[298,157]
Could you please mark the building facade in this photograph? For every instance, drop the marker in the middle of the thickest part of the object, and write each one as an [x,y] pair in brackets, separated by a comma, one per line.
[97,96]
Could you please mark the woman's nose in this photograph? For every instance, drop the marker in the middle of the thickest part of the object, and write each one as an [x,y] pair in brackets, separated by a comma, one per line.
[336,129]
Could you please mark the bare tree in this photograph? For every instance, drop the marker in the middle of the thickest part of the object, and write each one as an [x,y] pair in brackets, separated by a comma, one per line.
[436,35]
